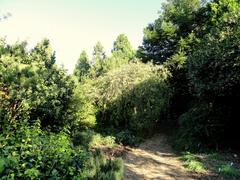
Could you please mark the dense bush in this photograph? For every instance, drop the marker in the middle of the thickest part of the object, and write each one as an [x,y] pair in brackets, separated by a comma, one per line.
[91,140]
[213,67]
[35,96]
[133,97]
[199,44]
[29,152]
[214,76]
[107,169]
[201,127]
[127,137]
[32,86]
[82,109]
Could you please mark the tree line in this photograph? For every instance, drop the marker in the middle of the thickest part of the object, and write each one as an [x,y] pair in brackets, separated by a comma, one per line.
[185,76]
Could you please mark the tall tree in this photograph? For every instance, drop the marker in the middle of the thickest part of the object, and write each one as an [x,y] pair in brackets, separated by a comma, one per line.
[82,67]
[98,53]
[99,57]
[162,38]
[43,53]
[122,48]
[32,85]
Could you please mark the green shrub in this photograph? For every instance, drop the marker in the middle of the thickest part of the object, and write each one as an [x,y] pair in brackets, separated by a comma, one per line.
[192,163]
[32,86]
[133,97]
[90,139]
[82,109]
[201,127]
[229,170]
[109,170]
[213,65]
[29,152]
[99,141]
[34,103]
[126,137]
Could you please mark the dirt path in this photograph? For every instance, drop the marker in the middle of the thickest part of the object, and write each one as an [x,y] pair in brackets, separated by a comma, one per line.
[154,159]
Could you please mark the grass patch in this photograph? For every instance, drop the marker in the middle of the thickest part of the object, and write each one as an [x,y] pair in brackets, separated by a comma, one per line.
[223,166]
[98,141]
[91,140]
[192,163]
[196,166]
[229,170]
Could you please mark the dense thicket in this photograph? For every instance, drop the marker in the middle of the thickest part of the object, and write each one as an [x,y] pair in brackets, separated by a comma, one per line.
[28,152]
[50,121]
[199,43]
[32,87]
[128,97]
[133,97]
[35,120]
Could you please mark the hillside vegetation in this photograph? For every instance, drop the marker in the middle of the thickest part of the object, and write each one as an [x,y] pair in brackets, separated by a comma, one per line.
[185,76]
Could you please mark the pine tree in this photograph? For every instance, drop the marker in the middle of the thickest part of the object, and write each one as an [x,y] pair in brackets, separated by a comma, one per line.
[99,57]
[82,67]
[98,53]
[122,48]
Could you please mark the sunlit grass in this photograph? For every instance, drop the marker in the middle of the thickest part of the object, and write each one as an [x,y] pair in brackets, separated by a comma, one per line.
[220,165]
[192,163]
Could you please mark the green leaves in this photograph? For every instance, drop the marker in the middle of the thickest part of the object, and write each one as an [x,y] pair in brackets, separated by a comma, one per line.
[134,96]
[2,165]
[36,154]
[161,39]
[35,94]
[32,86]
[82,67]
[32,173]
[199,44]
[212,65]
[122,53]
[123,48]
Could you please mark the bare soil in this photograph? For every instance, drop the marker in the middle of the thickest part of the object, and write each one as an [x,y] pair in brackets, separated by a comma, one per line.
[154,159]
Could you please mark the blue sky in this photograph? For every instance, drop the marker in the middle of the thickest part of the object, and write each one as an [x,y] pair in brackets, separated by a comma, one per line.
[76,25]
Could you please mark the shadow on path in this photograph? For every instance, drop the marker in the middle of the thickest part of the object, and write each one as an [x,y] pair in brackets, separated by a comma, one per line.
[154,159]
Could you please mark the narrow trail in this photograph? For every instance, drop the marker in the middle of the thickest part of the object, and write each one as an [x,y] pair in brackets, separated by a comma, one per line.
[154,159]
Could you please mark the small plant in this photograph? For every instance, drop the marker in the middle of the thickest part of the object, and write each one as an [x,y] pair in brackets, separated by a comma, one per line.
[220,165]
[192,163]
[98,140]
[90,139]
[229,170]
[196,166]
[125,137]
